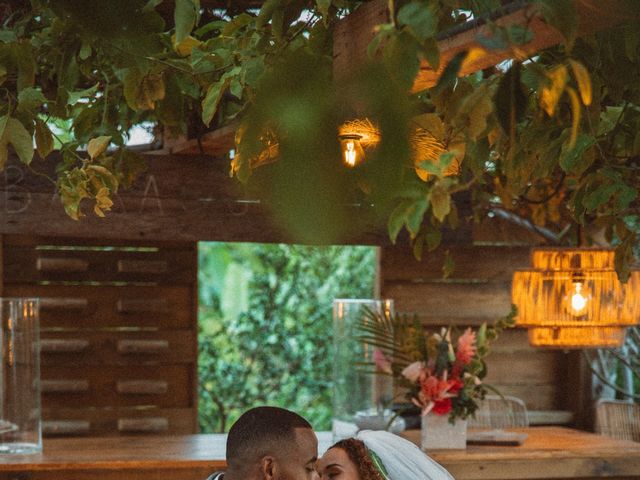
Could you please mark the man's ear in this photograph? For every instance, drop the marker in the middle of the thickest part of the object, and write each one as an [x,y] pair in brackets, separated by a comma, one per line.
[268,468]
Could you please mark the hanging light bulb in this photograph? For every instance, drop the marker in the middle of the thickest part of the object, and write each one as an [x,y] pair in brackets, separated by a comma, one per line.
[572,298]
[578,300]
[352,151]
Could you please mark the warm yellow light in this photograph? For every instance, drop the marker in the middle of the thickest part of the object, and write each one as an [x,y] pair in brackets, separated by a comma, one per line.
[571,337]
[352,151]
[578,301]
[572,298]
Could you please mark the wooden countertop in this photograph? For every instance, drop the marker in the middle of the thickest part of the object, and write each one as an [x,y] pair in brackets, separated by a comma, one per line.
[548,452]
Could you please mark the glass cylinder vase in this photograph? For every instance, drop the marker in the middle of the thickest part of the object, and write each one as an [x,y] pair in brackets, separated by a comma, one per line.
[361,399]
[437,432]
[20,422]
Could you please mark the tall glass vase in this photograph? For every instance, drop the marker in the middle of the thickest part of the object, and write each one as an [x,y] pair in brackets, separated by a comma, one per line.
[20,424]
[361,399]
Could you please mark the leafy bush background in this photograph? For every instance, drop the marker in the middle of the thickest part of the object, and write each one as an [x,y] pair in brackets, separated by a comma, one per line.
[266,326]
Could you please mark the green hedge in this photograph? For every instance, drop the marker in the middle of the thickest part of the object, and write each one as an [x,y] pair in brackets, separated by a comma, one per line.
[265,326]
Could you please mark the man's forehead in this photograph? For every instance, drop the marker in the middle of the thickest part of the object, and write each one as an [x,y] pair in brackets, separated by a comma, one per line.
[306,439]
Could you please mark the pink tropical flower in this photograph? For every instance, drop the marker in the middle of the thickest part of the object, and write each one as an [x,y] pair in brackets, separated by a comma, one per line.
[434,392]
[414,371]
[434,388]
[466,347]
[382,362]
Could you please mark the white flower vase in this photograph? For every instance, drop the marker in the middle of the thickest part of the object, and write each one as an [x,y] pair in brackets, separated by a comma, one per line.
[437,432]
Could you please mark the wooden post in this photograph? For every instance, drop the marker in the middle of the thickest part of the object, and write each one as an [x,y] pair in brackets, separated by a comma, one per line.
[578,391]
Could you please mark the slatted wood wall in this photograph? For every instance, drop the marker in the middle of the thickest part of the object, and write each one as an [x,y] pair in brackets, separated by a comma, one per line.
[479,291]
[118,332]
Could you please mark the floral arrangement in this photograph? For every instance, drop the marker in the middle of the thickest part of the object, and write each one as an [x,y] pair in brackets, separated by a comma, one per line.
[441,372]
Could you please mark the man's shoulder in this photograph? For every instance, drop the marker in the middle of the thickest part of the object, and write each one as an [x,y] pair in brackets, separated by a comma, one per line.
[216,476]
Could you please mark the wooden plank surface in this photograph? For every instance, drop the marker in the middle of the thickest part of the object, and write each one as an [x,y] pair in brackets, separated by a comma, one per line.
[163,207]
[166,386]
[548,452]
[180,198]
[526,369]
[473,263]
[102,306]
[462,304]
[118,347]
[539,399]
[162,266]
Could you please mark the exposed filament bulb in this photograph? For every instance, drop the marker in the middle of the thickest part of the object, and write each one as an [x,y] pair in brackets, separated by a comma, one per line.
[350,153]
[578,300]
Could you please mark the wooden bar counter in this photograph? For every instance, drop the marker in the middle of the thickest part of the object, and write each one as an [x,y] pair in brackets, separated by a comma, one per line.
[548,452]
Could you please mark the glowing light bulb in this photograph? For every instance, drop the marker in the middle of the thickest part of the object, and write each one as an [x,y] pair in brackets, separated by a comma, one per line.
[352,152]
[578,300]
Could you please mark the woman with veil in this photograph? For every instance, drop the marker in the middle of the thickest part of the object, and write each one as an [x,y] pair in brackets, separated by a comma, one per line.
[378,455]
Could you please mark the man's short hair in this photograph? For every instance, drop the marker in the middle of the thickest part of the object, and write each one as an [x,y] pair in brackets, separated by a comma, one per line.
[258,431]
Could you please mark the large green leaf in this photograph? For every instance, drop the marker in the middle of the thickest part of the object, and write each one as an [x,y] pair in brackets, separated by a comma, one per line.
[185,16]
[399,217]
[30,99]
[212,99]
[75,96]
[97,146]
[25,59]
[600,196]
[440,199]
[266,12]
[572,159]
[44,139]
[17,135]
[143,90]
[510,100]
[449,76]
[419,18]
[415,216]
[401,59]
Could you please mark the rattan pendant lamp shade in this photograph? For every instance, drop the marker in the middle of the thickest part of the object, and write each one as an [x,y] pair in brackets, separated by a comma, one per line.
[572,298]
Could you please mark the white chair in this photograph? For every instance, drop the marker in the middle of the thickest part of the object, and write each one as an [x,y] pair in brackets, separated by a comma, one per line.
[618,419]
[497,412]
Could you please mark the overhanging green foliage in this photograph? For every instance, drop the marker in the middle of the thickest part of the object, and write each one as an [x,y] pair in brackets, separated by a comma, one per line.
[554,138]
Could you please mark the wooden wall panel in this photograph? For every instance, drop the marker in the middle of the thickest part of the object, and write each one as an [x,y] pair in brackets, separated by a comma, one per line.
[118,331]
[107,306]
[461,304]
[179,199]
[479,290]
[114,421]
[491,263]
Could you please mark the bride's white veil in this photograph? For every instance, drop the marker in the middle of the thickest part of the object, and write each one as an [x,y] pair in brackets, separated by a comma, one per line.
[402,459]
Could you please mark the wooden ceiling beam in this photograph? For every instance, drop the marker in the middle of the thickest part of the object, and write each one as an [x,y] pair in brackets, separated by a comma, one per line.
[216,143]
[354,33]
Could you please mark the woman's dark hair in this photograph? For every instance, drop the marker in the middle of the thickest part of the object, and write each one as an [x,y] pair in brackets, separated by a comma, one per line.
[358,454]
